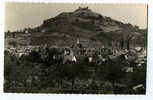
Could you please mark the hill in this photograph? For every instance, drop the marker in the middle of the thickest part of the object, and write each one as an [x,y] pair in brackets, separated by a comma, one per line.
[86,25]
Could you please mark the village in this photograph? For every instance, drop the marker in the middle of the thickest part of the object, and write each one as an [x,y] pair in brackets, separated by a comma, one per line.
[133,60]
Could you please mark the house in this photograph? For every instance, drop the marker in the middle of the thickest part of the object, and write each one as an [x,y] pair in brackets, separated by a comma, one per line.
[68,56]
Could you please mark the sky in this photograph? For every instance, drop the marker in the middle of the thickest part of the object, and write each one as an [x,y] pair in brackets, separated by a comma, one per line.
[22,15]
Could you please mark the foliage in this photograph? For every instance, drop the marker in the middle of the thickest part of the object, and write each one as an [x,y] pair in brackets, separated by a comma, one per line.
[13,43]
[77,77]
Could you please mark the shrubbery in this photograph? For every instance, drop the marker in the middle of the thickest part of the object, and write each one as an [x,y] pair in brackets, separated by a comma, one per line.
[31,73]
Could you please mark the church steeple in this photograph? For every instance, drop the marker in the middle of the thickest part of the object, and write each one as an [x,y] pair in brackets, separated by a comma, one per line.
[78,41]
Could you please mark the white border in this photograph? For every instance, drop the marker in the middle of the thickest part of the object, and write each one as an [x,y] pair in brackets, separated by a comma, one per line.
[15,96]
[83,1]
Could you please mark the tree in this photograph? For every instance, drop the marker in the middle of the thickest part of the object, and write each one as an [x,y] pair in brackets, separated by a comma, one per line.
[127,35]
[34,57]
[73,71]
[13,43]
[129,38]
[113,69]
[13,34]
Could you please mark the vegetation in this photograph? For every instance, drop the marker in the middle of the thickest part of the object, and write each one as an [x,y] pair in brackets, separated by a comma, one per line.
[31,73]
